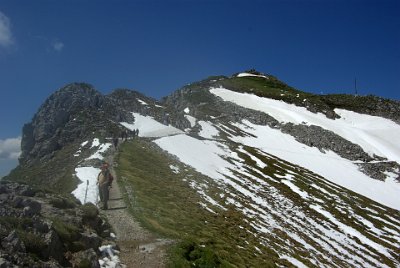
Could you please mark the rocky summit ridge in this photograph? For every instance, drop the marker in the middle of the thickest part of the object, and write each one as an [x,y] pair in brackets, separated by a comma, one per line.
[272,201]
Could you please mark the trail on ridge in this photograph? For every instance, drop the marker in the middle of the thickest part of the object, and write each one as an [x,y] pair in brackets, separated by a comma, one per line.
[138,246]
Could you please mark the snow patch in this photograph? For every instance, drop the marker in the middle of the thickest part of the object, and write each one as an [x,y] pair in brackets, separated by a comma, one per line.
[204,155]
[351,231]
[111,259]
[191,119]
[78,153]
[174,169]
[376,135]
[208,131]
[95,143]
[187,110]
[149,127]
[329,165]
[88,178]
[249,74]
[296,189]
[99,153]
[142,102]
[294,261]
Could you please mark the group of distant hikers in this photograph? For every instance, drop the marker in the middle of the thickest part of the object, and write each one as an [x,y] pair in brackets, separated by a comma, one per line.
[124,135]
[105,178]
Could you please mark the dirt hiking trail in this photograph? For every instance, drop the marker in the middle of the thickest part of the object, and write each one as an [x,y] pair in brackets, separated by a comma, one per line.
[139,247]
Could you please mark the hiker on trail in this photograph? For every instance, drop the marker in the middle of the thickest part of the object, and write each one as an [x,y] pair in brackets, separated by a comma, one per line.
[104,180]
[115,140]
[124,135]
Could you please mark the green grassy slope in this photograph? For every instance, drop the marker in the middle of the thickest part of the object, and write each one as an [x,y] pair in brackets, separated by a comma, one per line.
[177,205]
[165,203]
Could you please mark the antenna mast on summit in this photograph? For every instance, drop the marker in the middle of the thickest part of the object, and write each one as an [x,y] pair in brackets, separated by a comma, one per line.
[355,86]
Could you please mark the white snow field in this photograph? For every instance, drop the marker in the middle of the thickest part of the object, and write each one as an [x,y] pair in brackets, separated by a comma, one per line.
[249,74]
[88,178]
[88,175]
[329,165]
[376,135]
[204,156]
[148,127]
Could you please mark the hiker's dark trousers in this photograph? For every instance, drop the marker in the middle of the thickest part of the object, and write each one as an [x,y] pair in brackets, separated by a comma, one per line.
[104,194]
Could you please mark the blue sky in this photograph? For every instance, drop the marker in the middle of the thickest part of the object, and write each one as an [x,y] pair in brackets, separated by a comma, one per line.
[158,46]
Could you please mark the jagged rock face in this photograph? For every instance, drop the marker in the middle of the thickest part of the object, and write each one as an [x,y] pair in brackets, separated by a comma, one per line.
[57,231]
[40,137]
[72,112]
[134,101]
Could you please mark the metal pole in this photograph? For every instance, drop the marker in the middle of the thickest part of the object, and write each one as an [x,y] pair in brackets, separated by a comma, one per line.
[87,186]
[355,86]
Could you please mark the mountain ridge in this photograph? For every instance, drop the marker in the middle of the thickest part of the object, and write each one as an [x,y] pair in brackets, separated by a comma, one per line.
[230,143]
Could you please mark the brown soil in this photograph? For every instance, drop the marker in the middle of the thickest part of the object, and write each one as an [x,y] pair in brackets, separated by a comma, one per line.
[138,246]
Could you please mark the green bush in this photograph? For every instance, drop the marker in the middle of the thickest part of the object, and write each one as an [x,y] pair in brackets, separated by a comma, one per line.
[90,211]
[33,243]
[67,232]
[62,203]
[191,254]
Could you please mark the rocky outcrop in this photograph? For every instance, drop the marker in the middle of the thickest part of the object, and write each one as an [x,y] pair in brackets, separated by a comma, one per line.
[371,105]
[134,101]
[75,111]
[39,229]
[315,136]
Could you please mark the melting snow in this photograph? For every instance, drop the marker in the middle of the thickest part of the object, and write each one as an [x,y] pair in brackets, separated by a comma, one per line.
[296,189]
[80,148]
[98,154]
[294,261]
[351,231]
[202,155]
[95,142]
[142,102]
[88,178]
[329,164]
[376,135]
[88,175]
[249,74]
[191,119]
[149,127]
[252,194]
[264,206]
[187,110]
[174,169]
[208,131]
[110,259]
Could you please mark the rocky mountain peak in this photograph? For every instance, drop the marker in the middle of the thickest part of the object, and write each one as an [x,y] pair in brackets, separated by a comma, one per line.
[73,111]
[68,99]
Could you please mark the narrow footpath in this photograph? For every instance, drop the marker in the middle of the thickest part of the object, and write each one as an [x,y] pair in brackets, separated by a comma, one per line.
[139,247]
